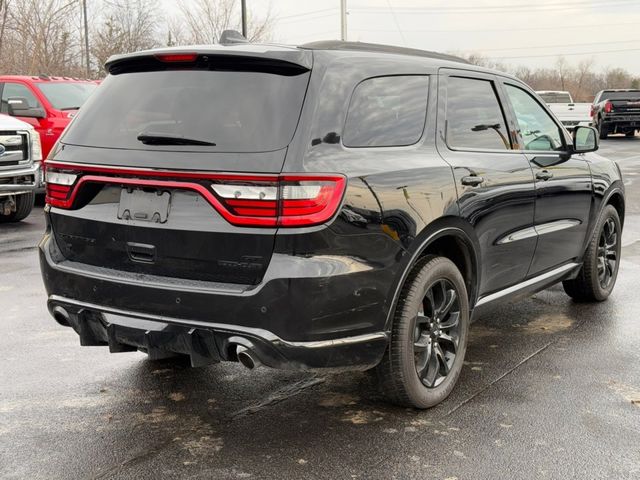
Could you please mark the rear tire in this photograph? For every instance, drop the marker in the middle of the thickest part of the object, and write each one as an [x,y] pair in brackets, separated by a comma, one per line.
[603,130]
[599,271]
[429,336]
[24,206]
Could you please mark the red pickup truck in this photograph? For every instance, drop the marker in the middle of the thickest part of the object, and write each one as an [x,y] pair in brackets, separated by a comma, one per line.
[47,103]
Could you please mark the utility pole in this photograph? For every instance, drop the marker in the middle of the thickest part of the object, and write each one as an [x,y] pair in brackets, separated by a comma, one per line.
[343,20]
[86,37]
[243,3]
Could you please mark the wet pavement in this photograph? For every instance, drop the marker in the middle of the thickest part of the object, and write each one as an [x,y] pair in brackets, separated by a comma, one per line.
[550,389]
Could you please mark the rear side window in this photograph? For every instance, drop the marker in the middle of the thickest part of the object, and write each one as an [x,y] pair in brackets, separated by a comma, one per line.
[238,111]
[474,117]
[387,112]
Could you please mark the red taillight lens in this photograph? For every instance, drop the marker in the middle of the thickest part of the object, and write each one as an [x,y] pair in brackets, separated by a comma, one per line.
[58,187]
[608,107]
[288,201]
[244,200]
[177,57]
[592,111]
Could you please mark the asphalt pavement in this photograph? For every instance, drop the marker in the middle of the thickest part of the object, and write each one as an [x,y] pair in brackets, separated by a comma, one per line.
[550,389]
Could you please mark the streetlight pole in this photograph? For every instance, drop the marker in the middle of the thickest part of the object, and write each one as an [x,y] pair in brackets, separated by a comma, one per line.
[243,4]
[343,20]
[86,37]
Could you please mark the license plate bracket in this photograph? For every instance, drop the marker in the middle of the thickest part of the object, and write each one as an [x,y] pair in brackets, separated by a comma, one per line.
[145,206]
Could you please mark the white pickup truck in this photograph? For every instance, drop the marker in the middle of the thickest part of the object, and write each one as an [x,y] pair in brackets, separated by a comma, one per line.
[571,114]
[20,168]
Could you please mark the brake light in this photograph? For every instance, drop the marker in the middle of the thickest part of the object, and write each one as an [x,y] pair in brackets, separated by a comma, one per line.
[176,57]
[58,187]
[608,107]
[592,111]
[288,201]
[243,200]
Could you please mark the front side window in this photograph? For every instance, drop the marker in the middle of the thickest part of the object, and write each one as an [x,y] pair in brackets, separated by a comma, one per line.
[474,117]
[538,130]
[387,112]
[17,90]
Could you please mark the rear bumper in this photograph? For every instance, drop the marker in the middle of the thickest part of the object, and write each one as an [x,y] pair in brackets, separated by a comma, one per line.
[298,322]
[210,343]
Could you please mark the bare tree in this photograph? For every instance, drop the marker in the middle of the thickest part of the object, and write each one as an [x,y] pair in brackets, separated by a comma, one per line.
[205,20]
[39,37]
[128,26]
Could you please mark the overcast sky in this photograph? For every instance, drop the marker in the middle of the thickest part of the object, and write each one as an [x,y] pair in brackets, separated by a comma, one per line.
[528,32]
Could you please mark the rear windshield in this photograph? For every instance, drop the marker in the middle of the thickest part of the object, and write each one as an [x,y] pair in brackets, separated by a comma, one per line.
[555,97]
[635,95]
[67,96]
[232,111]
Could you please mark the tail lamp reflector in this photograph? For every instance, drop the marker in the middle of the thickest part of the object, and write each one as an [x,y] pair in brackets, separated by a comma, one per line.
[608,107]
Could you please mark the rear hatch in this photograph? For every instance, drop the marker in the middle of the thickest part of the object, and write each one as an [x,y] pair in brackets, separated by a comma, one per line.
[172,167]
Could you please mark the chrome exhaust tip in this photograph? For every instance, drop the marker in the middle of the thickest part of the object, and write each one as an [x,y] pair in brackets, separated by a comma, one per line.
[61,316]
[247,358]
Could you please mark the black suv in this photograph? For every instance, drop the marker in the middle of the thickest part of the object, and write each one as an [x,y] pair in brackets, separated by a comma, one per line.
[333,205]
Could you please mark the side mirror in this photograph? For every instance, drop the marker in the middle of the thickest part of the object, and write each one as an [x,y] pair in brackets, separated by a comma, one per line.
[585,139]
[19,107]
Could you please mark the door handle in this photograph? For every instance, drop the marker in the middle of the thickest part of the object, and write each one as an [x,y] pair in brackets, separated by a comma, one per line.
[544,175]
[472,180]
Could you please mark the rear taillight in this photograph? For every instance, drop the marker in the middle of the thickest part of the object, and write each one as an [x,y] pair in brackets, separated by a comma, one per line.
[288,201]
[592,111]
[243,200]
[58,187]
[608,107]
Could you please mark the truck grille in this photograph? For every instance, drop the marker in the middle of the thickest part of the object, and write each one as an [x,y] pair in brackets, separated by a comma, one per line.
[14,148]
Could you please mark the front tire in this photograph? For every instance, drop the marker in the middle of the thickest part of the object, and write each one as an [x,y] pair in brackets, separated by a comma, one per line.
[599,271]
[24,205]
[429,336]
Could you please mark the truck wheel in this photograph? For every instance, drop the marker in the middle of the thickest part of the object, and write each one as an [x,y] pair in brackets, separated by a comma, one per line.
[630,134]
[429,336]
[24,205]
[603,130]
[599,271]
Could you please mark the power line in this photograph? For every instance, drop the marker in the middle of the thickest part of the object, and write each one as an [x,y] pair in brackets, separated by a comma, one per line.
[567,54]
[556,46]
[395,19]
[295,15]
[560,27]
[496,8]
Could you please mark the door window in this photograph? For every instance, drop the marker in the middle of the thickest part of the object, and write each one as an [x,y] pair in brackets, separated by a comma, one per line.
[538,130]
[16,90]
[387,111]
[474,117]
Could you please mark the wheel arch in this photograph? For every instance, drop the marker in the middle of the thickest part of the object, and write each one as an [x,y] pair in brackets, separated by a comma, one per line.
[450,237]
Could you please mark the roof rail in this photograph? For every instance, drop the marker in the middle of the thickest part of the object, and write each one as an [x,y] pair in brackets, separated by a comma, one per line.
[379,48]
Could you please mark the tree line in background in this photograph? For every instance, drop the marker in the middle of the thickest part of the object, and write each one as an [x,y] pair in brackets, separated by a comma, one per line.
[581,79]
[47,37]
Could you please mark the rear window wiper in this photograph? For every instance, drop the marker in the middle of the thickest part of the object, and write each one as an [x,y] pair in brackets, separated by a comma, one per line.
[166,139]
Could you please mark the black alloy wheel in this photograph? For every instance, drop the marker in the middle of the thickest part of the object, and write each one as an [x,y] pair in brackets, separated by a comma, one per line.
[436,333]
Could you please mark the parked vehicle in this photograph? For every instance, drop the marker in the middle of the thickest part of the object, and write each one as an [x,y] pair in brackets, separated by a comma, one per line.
[571,114]
[48,104]
[20,168]
[616,111]
[334,205]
